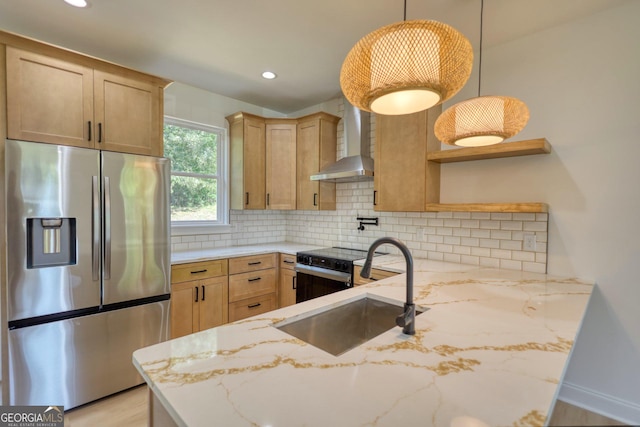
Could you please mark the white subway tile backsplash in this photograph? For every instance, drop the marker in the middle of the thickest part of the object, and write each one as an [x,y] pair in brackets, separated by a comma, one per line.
[481,234]
[500,253]
[511,225]
[477,238]
[501,216]
[509,264]
[524,216]
[535,226]
[512,245]
[491,225]
[490,262]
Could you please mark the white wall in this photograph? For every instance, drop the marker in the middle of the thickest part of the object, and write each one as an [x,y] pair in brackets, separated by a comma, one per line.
[581,82]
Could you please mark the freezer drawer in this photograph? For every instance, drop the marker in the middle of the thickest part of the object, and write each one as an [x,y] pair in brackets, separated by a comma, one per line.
[75,361]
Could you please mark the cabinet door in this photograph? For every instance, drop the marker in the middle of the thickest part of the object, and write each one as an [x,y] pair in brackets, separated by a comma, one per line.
[281,166]
[404,180]
[254,164]
[316,150]
[48,100]
[252,284]
[214,306]
[308,163]
[128,115]
[287,287]
[183,321]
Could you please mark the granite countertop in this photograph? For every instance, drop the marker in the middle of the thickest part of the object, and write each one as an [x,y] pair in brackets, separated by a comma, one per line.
[490,350]
[197,255]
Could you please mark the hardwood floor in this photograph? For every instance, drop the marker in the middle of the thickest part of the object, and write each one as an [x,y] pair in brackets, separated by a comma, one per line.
[565,414]
[128,408]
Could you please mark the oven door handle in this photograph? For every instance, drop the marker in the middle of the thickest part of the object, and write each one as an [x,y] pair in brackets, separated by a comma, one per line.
[324,273]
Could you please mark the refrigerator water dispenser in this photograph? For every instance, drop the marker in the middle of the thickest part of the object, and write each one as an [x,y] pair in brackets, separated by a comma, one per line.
[51,242]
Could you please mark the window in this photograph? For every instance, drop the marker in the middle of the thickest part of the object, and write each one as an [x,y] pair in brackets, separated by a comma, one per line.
[198,156]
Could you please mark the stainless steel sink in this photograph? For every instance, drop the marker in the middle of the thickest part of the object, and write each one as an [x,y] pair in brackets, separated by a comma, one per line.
[347,326]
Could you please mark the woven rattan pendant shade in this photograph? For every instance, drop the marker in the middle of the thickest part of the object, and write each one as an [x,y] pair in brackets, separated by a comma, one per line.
[480,121]
[406,67]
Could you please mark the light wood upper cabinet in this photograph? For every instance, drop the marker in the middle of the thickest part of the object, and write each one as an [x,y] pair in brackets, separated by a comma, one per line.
[317,140]
[404,181]
[59,97]
[281,164]
[248,161]
[128,114]
[48,100]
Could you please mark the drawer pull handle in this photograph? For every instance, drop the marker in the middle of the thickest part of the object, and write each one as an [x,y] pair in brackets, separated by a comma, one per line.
[255,279]
[199,271]
[255,263]
[288,261]
[254,305]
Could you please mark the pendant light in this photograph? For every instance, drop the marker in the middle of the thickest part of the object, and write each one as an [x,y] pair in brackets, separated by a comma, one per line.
[406,67]
[484,120]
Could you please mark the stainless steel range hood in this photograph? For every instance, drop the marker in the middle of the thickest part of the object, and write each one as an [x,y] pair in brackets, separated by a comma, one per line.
[357,165]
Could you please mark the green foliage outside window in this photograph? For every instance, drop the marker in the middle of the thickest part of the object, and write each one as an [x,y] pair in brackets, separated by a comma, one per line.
[194,168]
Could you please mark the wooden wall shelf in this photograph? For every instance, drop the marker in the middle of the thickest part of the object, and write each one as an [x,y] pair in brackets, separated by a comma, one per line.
[507,149]
[488,207]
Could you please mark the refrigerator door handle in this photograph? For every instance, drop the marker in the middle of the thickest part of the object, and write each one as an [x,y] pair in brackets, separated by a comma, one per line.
[95,214]
[107,228]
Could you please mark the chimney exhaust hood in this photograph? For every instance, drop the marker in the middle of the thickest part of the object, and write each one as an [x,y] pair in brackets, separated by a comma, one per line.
[357,165]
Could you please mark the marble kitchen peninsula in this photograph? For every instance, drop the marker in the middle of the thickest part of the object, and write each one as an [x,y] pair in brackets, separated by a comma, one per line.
[490,350]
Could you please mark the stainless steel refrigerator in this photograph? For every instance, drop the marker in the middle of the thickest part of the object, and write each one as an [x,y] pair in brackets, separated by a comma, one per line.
[88,265]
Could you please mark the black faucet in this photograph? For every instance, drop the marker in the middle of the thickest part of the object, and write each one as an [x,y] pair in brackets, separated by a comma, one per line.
[407,319]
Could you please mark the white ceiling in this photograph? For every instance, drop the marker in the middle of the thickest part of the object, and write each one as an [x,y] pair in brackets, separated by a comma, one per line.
[224,45]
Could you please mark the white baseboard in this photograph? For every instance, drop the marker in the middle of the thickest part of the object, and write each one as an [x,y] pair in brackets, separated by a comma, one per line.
[609,406]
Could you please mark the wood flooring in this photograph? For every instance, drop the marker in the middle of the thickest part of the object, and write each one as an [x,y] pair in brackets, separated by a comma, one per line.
[127,408]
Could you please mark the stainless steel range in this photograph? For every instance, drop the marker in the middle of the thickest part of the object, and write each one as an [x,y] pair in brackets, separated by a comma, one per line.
[324,271]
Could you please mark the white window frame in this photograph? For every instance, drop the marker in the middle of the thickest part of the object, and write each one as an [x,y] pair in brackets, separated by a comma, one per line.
[222,223]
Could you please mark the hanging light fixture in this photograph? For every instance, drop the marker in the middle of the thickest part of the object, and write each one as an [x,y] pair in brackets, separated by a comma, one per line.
[484,120]
[406,67]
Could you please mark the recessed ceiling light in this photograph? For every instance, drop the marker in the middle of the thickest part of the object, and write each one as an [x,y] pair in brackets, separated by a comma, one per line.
[77,3]
[269,75]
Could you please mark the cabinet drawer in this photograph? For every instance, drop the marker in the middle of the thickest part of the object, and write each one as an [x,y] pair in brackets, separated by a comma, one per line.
[251,263]
[198,270]
[251,307]
[376,274]
[287,261]
[252,284]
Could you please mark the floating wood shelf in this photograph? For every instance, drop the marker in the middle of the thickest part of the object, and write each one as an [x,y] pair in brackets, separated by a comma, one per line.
[488,207]
[507,149]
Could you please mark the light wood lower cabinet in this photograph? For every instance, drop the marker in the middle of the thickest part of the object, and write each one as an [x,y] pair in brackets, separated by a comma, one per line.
[376,274]
[199,297]
[287,280]
[252,286]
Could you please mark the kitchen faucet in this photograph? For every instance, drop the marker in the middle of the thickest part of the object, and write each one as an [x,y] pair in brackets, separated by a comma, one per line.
[407,319]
